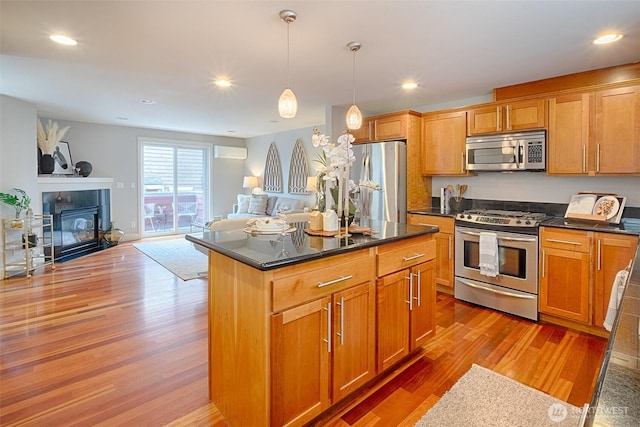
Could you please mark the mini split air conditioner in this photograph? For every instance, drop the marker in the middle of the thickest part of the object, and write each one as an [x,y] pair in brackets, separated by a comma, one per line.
[225,152]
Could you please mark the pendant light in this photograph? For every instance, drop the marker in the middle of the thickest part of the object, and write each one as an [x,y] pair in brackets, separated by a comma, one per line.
[354,116]
[288,104]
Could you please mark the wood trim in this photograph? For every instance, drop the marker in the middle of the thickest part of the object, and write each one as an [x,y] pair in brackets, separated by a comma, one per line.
[588,80]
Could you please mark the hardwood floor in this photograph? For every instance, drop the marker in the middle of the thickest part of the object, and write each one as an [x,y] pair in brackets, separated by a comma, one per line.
[115,339]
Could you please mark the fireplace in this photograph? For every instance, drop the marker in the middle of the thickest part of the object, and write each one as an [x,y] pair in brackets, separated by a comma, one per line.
[79,217]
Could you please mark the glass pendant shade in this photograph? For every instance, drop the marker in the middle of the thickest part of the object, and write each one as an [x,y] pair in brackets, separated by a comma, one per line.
[288,104]
[354,118]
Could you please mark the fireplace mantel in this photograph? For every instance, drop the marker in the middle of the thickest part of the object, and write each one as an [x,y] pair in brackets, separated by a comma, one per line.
[71,184]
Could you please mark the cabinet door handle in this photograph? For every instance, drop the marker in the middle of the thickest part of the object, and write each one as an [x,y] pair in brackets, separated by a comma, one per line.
[462,162]
[375,129]
[419,288]
[567,242]
[499,118]
[369,129]
[597,157]
[508,118]
[543,261]
[599,259]
[411,258]
[334,281]
[328,340]
[584,158]
[341,333]
[450,246]
[410,302]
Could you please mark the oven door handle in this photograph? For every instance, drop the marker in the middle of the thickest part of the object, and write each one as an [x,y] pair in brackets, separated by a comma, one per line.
[512,239]
[509,294]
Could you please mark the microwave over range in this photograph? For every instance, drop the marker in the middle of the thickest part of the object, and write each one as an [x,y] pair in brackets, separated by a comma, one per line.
[524,151]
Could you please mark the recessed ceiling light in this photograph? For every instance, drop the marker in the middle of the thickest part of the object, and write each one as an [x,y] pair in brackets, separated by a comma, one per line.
[409,85]
[607,38]
[222,82]
[59,38]
[147,101]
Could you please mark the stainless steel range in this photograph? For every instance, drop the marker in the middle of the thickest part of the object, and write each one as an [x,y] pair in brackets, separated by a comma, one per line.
[512,286]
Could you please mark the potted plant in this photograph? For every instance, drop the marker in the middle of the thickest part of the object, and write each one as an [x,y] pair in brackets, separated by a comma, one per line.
[18,202]
[48,138]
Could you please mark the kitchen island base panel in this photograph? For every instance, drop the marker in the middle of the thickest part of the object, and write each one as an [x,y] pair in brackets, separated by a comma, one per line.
[239,340]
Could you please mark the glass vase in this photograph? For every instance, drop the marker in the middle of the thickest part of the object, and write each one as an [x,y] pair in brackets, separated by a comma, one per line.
[113,235]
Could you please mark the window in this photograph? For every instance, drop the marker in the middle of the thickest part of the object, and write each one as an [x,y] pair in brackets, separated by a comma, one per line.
[174,188]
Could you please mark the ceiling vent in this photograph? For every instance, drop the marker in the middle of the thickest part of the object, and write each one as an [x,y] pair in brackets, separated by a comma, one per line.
[225,152]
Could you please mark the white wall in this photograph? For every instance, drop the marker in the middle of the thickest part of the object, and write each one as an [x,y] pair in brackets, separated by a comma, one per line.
[259,146]
[538,187]
[18,152]
[113,152]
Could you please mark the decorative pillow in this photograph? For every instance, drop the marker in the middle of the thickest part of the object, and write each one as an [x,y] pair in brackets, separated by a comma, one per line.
[271,203]
[243,203]
[258,204]
[295,205]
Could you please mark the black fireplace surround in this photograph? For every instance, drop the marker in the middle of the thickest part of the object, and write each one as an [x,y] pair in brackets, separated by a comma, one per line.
[79,218]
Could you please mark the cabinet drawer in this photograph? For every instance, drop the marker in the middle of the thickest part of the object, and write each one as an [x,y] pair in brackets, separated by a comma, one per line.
[445,224]
[407,253]
[321,278]
[569,240]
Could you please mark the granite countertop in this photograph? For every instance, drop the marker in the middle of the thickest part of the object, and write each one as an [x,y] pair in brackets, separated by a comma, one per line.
[268,251]
[432,211]
[625,227]
[616,398]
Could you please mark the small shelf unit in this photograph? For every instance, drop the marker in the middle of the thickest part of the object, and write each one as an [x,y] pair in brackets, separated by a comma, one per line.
[27,244]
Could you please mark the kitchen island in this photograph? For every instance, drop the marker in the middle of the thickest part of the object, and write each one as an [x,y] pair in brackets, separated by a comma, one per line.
[298,322]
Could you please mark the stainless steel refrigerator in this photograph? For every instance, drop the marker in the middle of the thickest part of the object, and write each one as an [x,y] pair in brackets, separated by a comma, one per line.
[384,163]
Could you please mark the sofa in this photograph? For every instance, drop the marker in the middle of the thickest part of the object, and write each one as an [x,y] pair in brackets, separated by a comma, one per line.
[261,205]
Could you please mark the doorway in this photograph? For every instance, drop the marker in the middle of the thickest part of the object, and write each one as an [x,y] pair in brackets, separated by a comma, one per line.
[175,193]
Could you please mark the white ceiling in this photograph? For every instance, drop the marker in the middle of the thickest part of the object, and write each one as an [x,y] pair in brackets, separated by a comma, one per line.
[170,51]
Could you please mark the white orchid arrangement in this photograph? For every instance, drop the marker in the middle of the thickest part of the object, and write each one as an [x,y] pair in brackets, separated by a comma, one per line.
[50,136]
[335,156]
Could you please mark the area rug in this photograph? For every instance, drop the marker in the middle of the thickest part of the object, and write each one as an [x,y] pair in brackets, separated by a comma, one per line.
[482,397]
[179,256]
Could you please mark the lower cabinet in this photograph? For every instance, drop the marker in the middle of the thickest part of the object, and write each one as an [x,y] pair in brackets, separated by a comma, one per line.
[444,261]
[321,351]
[406,312]
[613,253]
[577,270]
[564,274]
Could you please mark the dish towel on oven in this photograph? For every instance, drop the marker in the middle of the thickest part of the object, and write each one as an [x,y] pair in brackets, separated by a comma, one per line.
[616,296]
[488,254]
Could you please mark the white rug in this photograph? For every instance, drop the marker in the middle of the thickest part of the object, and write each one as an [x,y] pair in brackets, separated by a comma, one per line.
[179,256]
[483,398]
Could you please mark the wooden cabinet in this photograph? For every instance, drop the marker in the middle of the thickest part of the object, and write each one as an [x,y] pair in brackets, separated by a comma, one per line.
[324,348]
[613,253]
[577,270]
[568,137]
[383,128]
[564,274]
[443,144]
[445,250]
[617,131]
[300,379]
[507,117]
[595,133]
[405,299]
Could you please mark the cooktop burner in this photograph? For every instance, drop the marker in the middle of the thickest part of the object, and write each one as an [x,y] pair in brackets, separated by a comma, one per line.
[502,218]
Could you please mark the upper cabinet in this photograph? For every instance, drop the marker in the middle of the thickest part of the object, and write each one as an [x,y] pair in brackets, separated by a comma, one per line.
[617,131]
[507,117]
[382,128]
[595,133]
[443,144]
